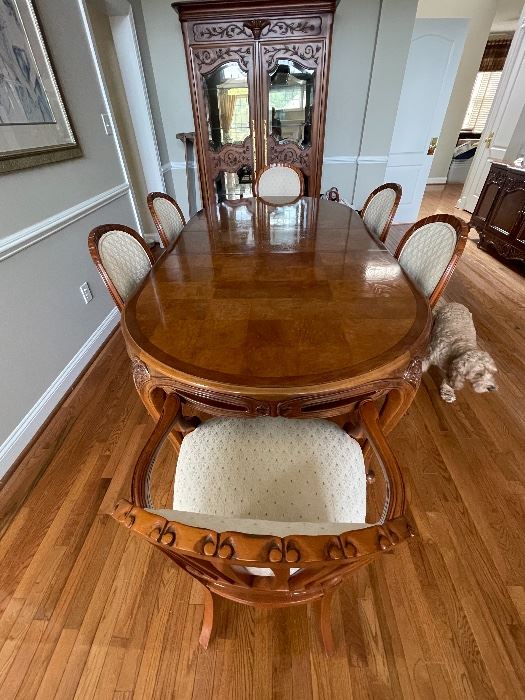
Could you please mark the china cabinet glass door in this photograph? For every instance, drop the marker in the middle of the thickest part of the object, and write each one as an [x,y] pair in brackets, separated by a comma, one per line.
[289,104]
[226,101]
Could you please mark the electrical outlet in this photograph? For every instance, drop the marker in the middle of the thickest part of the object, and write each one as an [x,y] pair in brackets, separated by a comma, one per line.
[108,128]
[86,293]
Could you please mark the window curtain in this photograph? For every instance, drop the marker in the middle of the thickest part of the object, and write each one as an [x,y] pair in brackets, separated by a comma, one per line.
[496,52]
[227,108]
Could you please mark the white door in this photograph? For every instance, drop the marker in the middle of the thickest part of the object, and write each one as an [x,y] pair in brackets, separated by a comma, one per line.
[433,60]
[505,112]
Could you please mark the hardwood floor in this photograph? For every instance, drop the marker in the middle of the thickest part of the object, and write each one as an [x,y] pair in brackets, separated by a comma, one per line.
[87,611]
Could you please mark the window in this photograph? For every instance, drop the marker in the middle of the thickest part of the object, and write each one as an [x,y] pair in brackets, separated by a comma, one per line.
[481,100]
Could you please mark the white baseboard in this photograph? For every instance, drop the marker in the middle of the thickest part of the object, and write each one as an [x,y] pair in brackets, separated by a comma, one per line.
[22,435]
[437,181]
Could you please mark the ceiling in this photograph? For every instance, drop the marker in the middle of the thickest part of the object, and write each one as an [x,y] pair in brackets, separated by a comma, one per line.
[507,15]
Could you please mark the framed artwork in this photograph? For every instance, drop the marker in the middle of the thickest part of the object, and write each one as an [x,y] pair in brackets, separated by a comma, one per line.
[34,125]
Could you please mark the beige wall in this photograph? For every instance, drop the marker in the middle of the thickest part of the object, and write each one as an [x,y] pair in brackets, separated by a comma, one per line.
[43,321]
[480,14]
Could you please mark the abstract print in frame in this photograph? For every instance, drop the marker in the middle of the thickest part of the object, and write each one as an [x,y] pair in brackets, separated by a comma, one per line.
[34,126]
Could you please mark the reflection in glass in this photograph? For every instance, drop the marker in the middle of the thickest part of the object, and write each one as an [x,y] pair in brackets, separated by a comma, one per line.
[227,108]
[291,100]
[234,185]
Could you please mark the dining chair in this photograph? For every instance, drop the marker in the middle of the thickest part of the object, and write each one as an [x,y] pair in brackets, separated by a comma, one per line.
[122,258]
[270,512]
[167,216]
[430,250]
[380,208]
[279,180]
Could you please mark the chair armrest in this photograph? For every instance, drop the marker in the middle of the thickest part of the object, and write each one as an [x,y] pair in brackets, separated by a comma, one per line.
[171,418]
[396,489]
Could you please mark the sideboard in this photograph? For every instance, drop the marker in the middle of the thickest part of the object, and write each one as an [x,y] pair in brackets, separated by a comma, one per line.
[499,216]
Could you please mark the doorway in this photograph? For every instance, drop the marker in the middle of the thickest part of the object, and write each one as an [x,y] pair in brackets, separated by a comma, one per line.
[114,32]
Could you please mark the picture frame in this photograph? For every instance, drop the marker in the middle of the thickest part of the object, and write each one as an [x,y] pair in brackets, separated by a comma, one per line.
[35,128]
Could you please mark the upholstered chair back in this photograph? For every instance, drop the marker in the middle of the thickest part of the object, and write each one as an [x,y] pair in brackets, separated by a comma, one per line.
[167,216]
[122,258]
[430,250]
[380,208]
[279,181]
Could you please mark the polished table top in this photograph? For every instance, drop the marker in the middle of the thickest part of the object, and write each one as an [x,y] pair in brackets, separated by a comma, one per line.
[276,297]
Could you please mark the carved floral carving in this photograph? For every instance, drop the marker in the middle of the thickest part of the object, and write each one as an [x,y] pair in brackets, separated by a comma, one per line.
[503,248]
[308,55]
[289,153]
[413,372]
[256,26]
[140,372]
[231,157]
[223,31]
[207,59]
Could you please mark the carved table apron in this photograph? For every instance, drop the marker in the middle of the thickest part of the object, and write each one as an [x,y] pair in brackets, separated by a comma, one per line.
[277,309]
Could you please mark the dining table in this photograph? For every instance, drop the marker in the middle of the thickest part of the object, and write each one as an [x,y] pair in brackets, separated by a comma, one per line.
[277,307]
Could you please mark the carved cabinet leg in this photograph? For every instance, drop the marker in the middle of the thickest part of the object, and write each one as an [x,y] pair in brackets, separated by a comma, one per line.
[207,620]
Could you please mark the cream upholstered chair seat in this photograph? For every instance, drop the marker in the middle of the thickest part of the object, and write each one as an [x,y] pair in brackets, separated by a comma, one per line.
[274,476]
[279,181]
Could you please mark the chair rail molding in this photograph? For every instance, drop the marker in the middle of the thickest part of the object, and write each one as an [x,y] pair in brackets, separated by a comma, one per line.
[30,424]
[173,165]
[340,160]
[33,234]
[352,160]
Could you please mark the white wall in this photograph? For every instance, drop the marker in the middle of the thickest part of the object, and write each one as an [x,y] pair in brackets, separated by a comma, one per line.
[480,14]
[48,333]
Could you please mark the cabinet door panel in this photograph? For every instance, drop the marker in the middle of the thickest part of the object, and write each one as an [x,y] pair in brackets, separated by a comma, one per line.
[507,212]
[225,90]
[291,104]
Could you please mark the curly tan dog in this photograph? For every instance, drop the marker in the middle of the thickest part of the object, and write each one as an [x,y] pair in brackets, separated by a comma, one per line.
[453,348]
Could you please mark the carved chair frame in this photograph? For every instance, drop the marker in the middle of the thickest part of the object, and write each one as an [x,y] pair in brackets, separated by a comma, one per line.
[215,559]
[152,196]
[461,228]
[93,241]
[387,186]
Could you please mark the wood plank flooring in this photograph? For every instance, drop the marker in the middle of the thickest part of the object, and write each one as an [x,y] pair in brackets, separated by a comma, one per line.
[88,611]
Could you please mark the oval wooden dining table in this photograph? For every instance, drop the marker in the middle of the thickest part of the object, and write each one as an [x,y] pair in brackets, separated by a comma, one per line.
[277,308]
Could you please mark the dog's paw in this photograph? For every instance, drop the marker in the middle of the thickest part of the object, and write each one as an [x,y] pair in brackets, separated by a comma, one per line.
[448,395]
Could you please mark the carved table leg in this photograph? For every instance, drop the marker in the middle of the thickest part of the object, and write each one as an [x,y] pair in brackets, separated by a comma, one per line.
[207,620]
[324,608]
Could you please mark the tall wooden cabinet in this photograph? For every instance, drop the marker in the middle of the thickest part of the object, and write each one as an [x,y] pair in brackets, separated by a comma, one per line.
[499,216]
[258,75]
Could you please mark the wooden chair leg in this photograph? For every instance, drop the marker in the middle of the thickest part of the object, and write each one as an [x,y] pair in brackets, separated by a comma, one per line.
[325,623]
[207,620]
